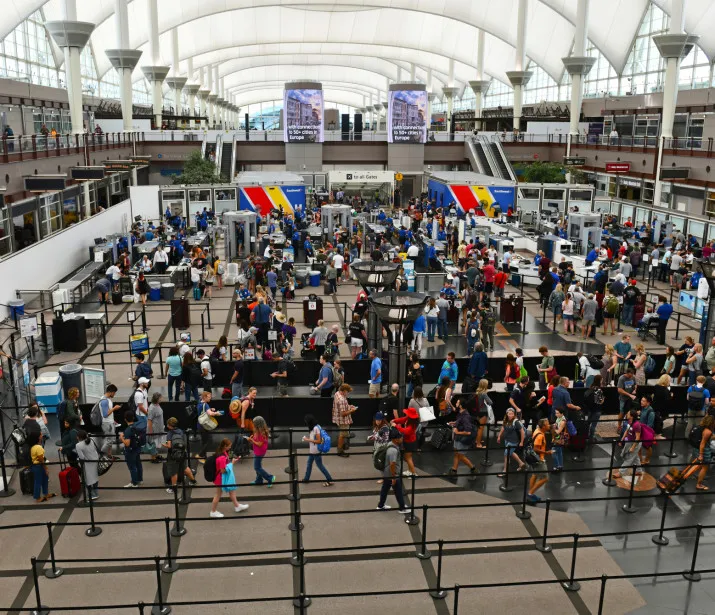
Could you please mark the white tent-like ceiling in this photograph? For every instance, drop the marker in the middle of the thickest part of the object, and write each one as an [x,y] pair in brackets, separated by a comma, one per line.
[363,42]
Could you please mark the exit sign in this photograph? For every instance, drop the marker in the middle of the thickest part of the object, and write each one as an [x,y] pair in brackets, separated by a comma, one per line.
[618,167]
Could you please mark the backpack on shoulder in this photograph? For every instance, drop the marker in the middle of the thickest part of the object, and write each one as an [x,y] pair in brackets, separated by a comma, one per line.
[379,456]
[95,416]
[696,397]
[177,452]
[325,442]
[210,469]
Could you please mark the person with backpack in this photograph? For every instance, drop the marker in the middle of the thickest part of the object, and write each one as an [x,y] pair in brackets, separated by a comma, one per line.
[285,364]
[700,439]
[207,376]
[142,369]
[537,463]
[472,331]
[407,425]
[177,462]
[631,440]
[342,417]
[464,432]
[318,443]
[559,438]
[155,429]
[259,440]
[593,401]
[324,383]
[191,375]
[391,472]
[204,406]
[513,432]
[647,420]
[219,470]
[610,313]
[133,439]
[68,410]
[698,400]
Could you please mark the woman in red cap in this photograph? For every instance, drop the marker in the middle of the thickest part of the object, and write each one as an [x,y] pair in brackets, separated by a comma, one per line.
[411,421]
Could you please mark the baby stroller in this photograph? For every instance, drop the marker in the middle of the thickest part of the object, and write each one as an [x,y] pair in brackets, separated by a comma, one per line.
[307,345]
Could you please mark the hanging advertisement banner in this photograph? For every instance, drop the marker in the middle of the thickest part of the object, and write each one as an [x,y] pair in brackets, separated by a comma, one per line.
[407,114]
[303,116]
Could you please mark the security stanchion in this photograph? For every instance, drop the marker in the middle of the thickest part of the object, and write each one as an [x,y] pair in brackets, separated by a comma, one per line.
[602,595]
[543,547]
[290,468]
[524,514]
[671,454]
[298,559]
[691,575]
[505,483]
[203,329]
[141,607]
[169,564]
[293,493]
[185,497]
[84,502]
[53,572]
[485,462]
[161,608]
[659,539]
[295,524]
[438,593]
[302,601]
[6,490]
[609,481]
[412,519]
[144,329]
[40,610]
[628,506]
[93,530]
[423,553]
[177,530]
[455,607]
[571,585]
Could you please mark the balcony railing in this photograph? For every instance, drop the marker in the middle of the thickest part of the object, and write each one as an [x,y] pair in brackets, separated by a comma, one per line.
[32,147]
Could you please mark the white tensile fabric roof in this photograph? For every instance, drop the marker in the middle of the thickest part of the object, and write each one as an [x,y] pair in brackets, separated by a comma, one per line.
[258,43]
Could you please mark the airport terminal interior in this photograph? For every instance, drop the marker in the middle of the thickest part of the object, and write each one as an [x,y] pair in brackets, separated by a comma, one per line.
[381,306]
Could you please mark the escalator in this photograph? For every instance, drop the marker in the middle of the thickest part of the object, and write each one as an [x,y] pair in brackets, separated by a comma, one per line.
[227,159]
[482,158]
[210,151]
[505,169]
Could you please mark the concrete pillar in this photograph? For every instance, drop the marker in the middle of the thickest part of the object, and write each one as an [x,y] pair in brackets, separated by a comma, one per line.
[192,89]
[87,200]
[578,66]
[203,93]
[449,92]
[155,72]
[176,82]
[519,77]
[214,92]
[480,86]
[673,47]
[71,36]
[413,70]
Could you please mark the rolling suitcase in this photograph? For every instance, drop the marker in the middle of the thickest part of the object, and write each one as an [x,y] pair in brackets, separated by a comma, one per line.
[197,293]
[327,290]
[674,478]
[27,481]
[116,298]
[69,480]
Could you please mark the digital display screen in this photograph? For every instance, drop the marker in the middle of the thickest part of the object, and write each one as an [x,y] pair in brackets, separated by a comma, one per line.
[407,116]
[303,116]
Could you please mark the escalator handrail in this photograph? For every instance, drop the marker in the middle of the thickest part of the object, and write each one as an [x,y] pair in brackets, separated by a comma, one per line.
[502,153]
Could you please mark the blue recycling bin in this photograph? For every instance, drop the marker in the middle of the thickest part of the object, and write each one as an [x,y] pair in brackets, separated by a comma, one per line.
[314,278]
[17,308]
[154,291]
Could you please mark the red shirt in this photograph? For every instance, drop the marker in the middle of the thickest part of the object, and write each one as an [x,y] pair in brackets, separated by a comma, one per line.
[628,224]
[489,273]
[500,279]
[409,432]
[610,253]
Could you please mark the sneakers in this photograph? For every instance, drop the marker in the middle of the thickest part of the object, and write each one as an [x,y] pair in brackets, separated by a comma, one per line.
[385,507]
[131,486]
[404,511]
[407,473]
[240,508]
[193,483]
[170,491]
[273,480]
[216,515]
[473,472]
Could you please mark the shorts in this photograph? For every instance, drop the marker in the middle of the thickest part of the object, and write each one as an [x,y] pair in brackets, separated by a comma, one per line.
[539,470]
[208,283]
[175,468]
[568,316]
[498,292]
[344,430]
[374,389]
[509,449]
[489,287]
[409,447]
[587,323]
[356,342]
[707,453]
[461,446]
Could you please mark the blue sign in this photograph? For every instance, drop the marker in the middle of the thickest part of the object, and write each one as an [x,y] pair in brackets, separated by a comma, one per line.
[139,343]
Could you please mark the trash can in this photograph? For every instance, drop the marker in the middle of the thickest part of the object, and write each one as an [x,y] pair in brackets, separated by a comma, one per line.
[167,291]
[71,376]
[17,308]
[312,310]
[301,278]
[314,278]
[154,291]
[48,391]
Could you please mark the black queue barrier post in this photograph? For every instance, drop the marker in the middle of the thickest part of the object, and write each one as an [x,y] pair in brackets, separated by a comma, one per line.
[290,469]
[161,364]
[543,547]
[161,608]
[141,608]
[571,585]
[177,530]
[505,484]
[524,514]
[412,519]
[144,329]
[659,539]
[438,593]
[295,524]
[93,530]
[423,553]
[84,502]
[208,316]
[170,565]
[691,575]
[628,506]
[54,572]
[455,607]
[609,481]
[302,601]
[40,610]
[602,595]
[6,490]
[671,454]
[203,331]
[485,462]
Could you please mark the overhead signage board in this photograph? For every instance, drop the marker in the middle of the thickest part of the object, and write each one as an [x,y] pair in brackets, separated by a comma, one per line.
[94,382]
[407,116]
[303,116]
[674,173]
[117,165]
[139,343]
[574,161]
[361,177]
[86,173]
[45,183]
[618,167]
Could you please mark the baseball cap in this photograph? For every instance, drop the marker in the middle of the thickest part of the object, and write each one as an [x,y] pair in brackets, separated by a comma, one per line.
[379,416]
[143,381]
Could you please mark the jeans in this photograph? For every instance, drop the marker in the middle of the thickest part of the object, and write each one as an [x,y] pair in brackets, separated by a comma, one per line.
[488,338]
[237,389]
[333,285]
[397,488]
[205,440]
[318,459]
[410,390]
[593,419]
[692,375]
[108,430]
[470,345]
[442,328]
[431,328]
[191,390]
[134,462]
[93,490]
[627,315]
[558,456]
[174,380]
[39,472]
[261,474]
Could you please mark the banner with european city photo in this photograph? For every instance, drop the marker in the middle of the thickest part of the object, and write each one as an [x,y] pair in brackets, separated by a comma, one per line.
[303,116]
[407,116]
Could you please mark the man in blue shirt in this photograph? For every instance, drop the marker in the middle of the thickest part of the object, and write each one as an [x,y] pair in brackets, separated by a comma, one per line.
[308,247]
[272,278]
[477,368]
[562,398]
[664,312]
[324,384]
[375,374]
[592,257]
[243,292]
[449,370]
[261,317]
[698,401]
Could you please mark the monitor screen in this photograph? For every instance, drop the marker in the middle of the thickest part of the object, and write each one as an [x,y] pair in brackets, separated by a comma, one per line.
[407,116]
[303,116]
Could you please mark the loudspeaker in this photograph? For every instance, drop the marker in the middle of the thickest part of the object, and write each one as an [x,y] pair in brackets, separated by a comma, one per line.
[345,126]
[357,128]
